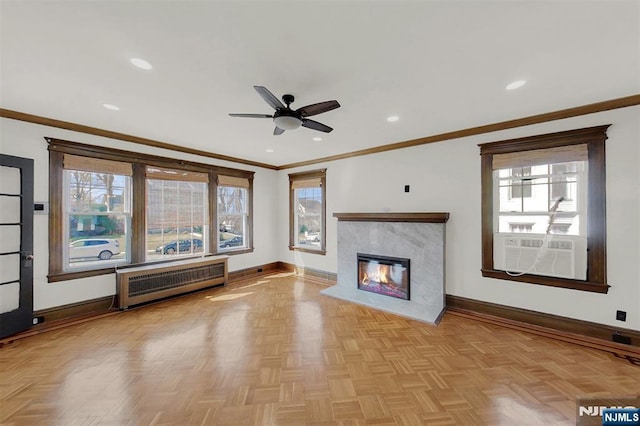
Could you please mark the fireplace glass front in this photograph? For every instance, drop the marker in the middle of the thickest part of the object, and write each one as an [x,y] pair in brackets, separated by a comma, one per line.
[384,275]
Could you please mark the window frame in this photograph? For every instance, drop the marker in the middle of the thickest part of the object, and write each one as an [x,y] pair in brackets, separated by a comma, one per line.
[58,148]
[248,235]
[312,174]
[595,138]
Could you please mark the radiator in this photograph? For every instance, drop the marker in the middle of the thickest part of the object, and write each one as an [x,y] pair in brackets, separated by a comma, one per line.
[152,282]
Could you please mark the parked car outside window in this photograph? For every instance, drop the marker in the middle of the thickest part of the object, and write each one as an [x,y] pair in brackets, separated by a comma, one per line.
[180,246]
[231,242]
[102,248]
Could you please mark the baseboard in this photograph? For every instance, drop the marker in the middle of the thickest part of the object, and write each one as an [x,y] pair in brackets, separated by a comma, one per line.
[80,309]
[254,271]
[328,278]
[583,333]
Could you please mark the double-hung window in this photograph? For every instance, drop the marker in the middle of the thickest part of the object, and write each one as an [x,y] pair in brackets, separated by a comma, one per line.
[177,217]
[543,209]
[307,191]
[97,213]
[233,213]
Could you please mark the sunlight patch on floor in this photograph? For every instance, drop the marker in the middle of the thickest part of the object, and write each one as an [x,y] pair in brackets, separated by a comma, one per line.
[227,297]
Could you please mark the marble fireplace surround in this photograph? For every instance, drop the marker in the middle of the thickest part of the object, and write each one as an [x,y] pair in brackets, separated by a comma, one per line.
[419,237]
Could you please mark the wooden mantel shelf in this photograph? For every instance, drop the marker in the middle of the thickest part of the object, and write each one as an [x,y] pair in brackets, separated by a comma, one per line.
[393,217]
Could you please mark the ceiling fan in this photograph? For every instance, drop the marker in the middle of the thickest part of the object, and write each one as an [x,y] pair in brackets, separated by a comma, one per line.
[287,119]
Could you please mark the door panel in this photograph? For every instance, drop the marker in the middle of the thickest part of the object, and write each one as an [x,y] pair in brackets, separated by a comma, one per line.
[16,244]
[10,211]
[10,180]
[10,268]
[9,297]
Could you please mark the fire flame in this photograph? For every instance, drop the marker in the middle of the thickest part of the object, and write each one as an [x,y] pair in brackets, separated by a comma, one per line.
[380,276]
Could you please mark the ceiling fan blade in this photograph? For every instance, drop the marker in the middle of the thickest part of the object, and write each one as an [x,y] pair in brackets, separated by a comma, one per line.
[252,115]
[277,131]
[310,124]
[319,108]
[269,97]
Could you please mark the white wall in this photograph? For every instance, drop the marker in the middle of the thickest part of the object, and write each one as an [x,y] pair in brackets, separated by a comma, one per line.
[27,140]
[445,177]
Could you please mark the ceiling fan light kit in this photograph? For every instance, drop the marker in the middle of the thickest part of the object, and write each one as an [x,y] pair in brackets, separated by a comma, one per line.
[287,119]
[286,122]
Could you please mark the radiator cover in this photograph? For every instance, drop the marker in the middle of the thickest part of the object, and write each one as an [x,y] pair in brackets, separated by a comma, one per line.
[152,282]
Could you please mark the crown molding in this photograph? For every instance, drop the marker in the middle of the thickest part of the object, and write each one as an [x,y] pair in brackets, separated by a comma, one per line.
[611,104]
[66,125]
[488,128]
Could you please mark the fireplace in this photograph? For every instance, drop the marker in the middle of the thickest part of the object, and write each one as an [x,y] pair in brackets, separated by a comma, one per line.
[383,275]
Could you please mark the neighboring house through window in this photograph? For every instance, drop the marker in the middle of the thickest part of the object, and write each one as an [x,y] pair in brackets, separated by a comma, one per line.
[307,195]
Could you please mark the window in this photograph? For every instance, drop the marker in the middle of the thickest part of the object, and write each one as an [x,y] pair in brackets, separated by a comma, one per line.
[110,207]
[520,185]
[543,209]
[233,213]
[177,212]
[307,194]
[97,213]
[551,194]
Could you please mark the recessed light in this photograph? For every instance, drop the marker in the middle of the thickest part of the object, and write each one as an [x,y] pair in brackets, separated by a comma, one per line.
[393,118]
[269,150]
[317,139]
[111,107]
[141,63]
[516,84]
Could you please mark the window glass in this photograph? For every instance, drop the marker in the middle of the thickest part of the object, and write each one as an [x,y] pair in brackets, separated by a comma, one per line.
[177,218]
[307,211]
[543,197]
[232,218]
[308,217]
[96,205]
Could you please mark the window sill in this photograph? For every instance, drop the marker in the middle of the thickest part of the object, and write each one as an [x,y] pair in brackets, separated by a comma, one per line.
[307,250]
[549,281]
[238,251]
[76,275]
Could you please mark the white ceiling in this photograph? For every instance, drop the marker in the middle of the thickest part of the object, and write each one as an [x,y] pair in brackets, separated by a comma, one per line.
[439,65]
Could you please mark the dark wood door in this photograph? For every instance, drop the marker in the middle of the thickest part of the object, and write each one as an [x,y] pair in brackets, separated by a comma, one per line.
[16,244]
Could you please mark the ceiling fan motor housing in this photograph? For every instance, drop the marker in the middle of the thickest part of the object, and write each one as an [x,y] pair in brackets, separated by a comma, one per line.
[288,99]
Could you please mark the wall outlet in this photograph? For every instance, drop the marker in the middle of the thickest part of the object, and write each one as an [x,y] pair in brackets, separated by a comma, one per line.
[406,188]
[621,315]
[619,338]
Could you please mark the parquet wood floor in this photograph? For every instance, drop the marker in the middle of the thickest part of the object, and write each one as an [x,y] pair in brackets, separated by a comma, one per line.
[273,351]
